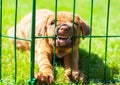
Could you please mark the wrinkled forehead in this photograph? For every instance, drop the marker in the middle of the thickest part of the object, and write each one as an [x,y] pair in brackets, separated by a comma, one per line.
[65,16]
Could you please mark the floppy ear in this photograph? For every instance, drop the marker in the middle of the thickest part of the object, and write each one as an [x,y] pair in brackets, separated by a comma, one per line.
[42,27]
[84,27]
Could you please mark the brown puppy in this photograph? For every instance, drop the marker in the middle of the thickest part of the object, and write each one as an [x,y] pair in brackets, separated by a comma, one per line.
[44,46]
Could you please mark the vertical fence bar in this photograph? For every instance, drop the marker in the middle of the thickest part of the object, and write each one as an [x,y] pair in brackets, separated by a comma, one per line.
[0,39]
[73,18]
[54,56]
[73,37]
[15,58]
[106,43]
[32,49]
[90,40]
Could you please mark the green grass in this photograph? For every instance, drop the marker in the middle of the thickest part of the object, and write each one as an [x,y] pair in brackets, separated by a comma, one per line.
[95,61]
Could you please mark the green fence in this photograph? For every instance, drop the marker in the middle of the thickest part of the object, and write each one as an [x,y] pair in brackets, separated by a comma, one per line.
[32,80]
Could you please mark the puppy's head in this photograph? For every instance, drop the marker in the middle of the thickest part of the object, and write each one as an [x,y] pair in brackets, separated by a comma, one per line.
[65,28]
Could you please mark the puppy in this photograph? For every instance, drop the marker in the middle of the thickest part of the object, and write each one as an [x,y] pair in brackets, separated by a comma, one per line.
[44,47]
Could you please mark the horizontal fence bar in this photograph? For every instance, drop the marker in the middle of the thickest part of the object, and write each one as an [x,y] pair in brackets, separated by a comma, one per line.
[16,38]
[65,83]
[45,37]
[109,36]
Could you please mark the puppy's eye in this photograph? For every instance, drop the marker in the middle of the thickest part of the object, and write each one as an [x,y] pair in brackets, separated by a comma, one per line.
[74,23]
[52,22]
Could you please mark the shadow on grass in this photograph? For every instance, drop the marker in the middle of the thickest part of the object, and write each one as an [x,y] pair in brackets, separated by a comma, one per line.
[93,67]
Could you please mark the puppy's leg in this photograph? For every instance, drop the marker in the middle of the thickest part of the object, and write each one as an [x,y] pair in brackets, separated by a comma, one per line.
[76,74]
[20,44]
[43,58]
[67,64]
[71,67]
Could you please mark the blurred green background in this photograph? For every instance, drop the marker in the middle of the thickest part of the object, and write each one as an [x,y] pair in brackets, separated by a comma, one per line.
[95,62]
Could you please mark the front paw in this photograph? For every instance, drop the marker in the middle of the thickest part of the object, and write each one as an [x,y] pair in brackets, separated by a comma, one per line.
[78,76]
[68,74]
[75,75]
[45,78]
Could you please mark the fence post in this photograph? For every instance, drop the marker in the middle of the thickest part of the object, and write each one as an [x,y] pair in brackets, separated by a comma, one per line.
[0,39]
[90,39]
[15,58]
[73,37]
[32,48]
[106,43]
[54,55]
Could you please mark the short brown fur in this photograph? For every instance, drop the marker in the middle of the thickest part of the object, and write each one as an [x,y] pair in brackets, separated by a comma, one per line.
[44,47]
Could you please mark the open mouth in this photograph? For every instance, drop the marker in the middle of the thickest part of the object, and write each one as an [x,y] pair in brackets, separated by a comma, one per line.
[62,41]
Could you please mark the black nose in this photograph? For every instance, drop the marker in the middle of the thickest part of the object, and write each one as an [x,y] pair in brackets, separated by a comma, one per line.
[63,28]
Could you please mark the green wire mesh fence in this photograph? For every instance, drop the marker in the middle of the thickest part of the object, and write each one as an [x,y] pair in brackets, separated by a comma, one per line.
[32,80]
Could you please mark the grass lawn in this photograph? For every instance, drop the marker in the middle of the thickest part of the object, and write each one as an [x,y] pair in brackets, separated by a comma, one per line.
[95,71]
